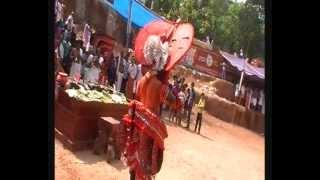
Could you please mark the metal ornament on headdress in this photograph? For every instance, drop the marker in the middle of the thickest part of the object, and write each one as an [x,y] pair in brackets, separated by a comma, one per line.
[155,52]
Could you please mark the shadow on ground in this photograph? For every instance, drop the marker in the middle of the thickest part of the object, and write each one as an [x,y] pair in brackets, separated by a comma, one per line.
[87,157]
[184,124]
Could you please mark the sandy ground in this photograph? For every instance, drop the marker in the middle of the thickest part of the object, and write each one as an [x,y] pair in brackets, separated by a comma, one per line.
[221,152]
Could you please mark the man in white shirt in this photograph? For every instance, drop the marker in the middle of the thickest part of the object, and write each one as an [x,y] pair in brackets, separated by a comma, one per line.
[120,71]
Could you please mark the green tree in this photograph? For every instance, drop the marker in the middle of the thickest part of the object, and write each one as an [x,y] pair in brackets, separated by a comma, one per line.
[232,25]
[252,29]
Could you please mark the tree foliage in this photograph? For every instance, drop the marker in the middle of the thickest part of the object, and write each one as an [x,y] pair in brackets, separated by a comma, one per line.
[231,25]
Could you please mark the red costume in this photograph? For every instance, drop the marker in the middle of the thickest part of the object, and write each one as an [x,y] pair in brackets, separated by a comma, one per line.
[160,45]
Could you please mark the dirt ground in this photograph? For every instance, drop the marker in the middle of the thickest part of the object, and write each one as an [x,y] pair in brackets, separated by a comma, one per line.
[221,152]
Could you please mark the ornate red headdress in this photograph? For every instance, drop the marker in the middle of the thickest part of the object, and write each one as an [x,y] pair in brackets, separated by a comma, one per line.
[179,37]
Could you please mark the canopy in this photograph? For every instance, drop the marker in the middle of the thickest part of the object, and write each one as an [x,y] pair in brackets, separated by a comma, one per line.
[241,64]
[140,15]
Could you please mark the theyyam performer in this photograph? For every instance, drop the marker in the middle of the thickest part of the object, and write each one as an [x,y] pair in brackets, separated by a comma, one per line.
[159,46]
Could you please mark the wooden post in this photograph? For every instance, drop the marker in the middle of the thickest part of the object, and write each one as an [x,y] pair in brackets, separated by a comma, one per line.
[242,76]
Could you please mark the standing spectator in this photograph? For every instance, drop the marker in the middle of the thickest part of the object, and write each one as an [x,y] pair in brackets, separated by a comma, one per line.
[132,70]
[181,84]
[176,87]
[200,108]
[191,96]
[261,102]
[241,53]
[171,101]
[69,22]
[177,104]
[67,34]
[75,57]
[85,56]
[87,64]
[125,74]
[112,69]
[235,54]
[185,86]
[102,63]
[237,93]
[253,102]
[73,36]
[59,12]
[223,73]
[182,98]
[86,37]
[120,71]
[64,52]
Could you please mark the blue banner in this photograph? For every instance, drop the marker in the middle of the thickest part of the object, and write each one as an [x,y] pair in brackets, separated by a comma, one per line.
[140,15]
